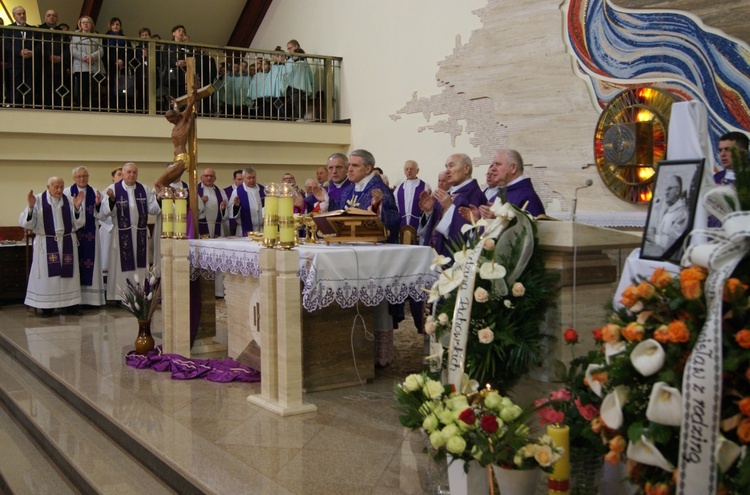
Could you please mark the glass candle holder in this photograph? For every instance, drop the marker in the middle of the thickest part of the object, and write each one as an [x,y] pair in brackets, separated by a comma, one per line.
[286,216]
[167,213]
[271,215]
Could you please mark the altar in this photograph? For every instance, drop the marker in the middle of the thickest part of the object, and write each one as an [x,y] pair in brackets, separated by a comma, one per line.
[343,290]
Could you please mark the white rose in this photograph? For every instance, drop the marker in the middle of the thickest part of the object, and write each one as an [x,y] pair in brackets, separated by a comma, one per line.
[518,289]
[507,303]
[413,382]
[456,445]
[488,244]
[443,319]
[481,295]
[485,336]
[429,327]
[433,389]
[430,423]
[437,440]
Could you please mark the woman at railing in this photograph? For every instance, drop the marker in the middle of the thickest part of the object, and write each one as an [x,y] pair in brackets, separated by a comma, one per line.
[88,70]
[118,81]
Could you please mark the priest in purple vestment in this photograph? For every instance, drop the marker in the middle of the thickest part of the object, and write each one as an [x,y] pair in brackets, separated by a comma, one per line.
[247,204]
[444,221]
[407,195]
[338,164]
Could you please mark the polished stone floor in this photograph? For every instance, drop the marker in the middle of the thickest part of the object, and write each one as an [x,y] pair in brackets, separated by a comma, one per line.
[354,444]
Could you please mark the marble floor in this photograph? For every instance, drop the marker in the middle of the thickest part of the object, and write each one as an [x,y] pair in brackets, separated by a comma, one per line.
[354,444]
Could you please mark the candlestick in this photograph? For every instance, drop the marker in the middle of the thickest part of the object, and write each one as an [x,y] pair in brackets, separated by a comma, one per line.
[180,218]
[270,220]
[167,218]
[559,480]
[286,222]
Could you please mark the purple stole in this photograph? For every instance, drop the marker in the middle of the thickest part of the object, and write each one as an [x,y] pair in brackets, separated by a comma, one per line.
[203,224]
[129,259]
[54,266]
[245,217]
[87,237]
[415,211]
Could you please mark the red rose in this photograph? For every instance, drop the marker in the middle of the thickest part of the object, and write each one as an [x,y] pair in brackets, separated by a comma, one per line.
[489,423]
[468,416]
[597,334]
[571,336]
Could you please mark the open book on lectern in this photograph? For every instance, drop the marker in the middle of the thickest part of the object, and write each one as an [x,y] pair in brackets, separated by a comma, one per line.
[350,225]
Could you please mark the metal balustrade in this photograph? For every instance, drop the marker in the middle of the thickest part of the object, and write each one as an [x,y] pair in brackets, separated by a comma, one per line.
[58,70]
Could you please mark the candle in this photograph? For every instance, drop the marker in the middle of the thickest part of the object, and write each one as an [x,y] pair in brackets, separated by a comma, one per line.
[286,220]
[559,479]
[270,219]
[180,218]
[286,206]
[167,217]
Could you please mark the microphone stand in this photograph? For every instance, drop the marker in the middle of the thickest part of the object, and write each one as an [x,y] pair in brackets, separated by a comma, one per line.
[575,251]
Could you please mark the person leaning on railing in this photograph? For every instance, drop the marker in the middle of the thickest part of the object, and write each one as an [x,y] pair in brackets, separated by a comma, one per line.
[88,69]
[298,82]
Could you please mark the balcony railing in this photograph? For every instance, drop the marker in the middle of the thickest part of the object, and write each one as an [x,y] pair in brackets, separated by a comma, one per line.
[57,70]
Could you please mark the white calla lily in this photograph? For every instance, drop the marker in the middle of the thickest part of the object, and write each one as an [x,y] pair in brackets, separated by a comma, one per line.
[439,261]
[594,385]
[613,348]
[648,357]
[474,225]
[665,405]
[449,280]
[727,452]
[468,385]
[611,410]
[503,211]
[459,258]
[492,271]
[646,452]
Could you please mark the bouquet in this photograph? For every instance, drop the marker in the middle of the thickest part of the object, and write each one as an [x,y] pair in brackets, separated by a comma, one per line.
[477,425]
[512,291]
[575,404]
[141,299]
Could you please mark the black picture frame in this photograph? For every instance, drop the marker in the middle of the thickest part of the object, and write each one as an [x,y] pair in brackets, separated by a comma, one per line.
[671,213]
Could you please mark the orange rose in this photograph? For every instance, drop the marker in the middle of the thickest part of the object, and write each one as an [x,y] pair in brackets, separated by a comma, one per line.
[629,296]
[733,288]
[743,338]
[611,333]
[633,332]
[661,278]
[596,425]
[743,431]
[678,331]
[618,444]
[745,406]
[661,334]
[646,290]
[691,281]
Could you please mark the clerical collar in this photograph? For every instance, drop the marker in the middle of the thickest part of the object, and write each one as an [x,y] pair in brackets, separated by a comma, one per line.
[412,181]
[729,174]
[339,184]
[360,186]
[456,188]
[517,179]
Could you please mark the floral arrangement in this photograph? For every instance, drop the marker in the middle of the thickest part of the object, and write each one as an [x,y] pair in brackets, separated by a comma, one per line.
[575,404]
[638,370]
[478,425]
[511,296]
[141,299]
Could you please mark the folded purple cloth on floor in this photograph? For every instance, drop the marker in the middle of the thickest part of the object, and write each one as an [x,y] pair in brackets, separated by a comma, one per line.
[183,368]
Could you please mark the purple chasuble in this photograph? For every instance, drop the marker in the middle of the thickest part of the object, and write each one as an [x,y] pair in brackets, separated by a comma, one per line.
[58,266]
[87,237]
[415,211]
[131,257]
[203,224]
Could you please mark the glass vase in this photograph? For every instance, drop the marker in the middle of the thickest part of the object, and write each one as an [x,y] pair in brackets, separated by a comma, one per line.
[144,342]
[585,471]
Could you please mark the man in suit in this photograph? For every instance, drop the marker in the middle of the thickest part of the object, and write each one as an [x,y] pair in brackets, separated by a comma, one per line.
[727,144]
[23,56]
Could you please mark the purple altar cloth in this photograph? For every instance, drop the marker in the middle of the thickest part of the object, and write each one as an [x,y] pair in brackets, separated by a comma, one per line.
[183,368]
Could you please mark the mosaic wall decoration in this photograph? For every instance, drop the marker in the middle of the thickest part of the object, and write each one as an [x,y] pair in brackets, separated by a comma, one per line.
[615,49]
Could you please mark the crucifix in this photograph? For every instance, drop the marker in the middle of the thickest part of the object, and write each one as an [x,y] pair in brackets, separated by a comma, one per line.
[185,139]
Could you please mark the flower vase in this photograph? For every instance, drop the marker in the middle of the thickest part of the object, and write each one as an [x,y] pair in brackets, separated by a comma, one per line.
[474,482]
[585,471]
[144,342]
[516,481]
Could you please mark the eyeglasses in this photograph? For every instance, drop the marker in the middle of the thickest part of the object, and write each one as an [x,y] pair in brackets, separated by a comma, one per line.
[76,177]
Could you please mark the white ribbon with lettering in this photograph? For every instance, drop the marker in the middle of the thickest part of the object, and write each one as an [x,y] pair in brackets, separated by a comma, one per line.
[462,312]
[701,385]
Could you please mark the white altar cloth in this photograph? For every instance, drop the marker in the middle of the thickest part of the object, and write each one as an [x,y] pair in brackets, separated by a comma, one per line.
[340,273]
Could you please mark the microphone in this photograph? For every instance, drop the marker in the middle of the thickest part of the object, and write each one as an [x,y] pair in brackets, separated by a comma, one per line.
[588,183]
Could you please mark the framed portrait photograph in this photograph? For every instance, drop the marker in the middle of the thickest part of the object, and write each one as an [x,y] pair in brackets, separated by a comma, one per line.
[672,209]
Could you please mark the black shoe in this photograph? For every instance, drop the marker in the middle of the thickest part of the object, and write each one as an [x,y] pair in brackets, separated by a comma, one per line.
[73,311]
[47,313]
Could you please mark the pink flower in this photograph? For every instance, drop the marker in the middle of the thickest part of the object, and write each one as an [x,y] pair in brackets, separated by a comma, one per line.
[588,412]
[549,415]
[562,395]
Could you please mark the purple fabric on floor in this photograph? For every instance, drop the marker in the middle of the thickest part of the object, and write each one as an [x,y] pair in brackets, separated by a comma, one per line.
[183,368]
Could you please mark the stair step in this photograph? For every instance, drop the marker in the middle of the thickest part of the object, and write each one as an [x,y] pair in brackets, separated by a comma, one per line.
[93,461]
[24,468]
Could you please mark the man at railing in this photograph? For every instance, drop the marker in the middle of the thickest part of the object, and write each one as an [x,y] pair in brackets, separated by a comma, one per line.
[54,91]
[22,54]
